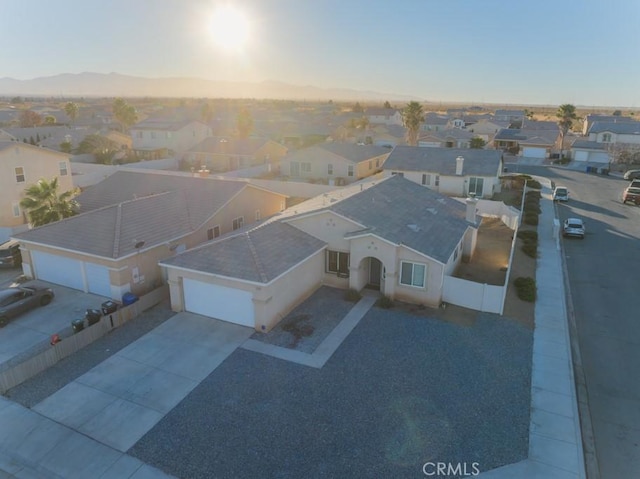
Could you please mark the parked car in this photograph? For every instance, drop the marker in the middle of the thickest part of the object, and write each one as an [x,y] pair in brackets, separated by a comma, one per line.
[10,256]
[560,193]
[631,194]
[632,175]
[634,184]
[573,227]
[18,300]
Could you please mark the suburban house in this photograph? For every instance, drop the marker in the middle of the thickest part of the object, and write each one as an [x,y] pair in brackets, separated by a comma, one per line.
[384,116]
[449,138]
[589,120]
[383,135]
[341,163]
[590,151]
[434,122]
[390,235]
[535,140]
[21,166]
[509,115]
[627,133]
[452,172]
[155,139]
[132,220]
[488,128]
[222,154]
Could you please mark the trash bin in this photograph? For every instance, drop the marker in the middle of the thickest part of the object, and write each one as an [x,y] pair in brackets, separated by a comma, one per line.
[109,307]
[77,325]
[129,298]
[93,316]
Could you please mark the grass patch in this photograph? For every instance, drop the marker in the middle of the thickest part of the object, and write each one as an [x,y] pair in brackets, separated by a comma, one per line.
[298,328]
[384,302]
[526,288]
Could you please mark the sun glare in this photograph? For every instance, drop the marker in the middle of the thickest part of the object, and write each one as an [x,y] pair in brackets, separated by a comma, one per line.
[229,28]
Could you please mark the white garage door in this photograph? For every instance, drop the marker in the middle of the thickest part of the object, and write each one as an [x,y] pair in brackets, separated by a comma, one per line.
[429,144]
[599,156]
[58,270]
[98,280]
[581,156]
[220,302]
[532,152]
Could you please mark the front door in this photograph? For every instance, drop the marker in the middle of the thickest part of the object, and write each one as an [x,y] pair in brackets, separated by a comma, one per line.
[375,273]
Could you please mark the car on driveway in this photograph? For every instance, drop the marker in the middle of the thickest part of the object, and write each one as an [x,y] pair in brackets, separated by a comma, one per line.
[20,299]
[573,227]
[631,195]
[560,193]
[632,175]
[10,256]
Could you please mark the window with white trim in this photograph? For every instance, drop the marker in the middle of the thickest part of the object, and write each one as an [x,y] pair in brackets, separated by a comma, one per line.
[337,262]
[350,170]
[305,167]
[19,170]
[15,206]
[238,222]
[426,179]
[413,274]
[606,138]
[258,215]
[371,164]
[437,180]
[213,232]
[63,168]
[330,169]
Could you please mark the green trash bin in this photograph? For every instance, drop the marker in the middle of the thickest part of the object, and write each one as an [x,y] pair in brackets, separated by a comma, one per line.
[77,325]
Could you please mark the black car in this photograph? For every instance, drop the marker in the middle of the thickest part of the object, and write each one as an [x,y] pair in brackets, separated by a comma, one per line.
[18,300]
[10,256]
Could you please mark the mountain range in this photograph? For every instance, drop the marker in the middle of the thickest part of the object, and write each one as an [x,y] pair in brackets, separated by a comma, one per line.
[116,85]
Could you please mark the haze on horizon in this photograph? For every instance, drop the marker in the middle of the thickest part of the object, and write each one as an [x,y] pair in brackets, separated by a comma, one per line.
[489,51]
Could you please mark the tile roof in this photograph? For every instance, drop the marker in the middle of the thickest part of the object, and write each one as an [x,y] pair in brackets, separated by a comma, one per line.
[621,128]
[259,254]
[477,162]
[205,194]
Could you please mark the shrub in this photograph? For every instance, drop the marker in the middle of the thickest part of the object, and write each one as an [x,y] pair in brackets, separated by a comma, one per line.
[532,207]
[526,288]
[530,249]
[384,302]
[535,184]
[528,235]
[533,194]
[352,295]
[531,218]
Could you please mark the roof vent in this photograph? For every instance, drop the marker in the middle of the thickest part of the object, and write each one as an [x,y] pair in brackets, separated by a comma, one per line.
[433,211]
[413,227]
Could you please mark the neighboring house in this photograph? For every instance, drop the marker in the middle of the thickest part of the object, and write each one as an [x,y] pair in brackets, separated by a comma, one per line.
[456,123]
[627,133]
[487,128]
[222,154]
[394,236]
[434,122]
[531,141]
[384,135]
[21,166]
[450,138]
[590,151]
[452,172]
[342,163]
[123,141]
[509,115]
[384,116]
[589,120]
[154,139]
[132,220]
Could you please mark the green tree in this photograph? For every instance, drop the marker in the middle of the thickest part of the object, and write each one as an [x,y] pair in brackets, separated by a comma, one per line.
[357,108]
[71,109]
[124,113]
[49,120]
[617,113]
[412,118]
[101,147]
[387,104]
[566,115]
[477,143]
[32,140]
[244,123]
[65,147]
[45,205]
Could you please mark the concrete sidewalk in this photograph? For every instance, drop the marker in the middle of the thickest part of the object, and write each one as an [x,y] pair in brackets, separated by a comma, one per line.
[555,440]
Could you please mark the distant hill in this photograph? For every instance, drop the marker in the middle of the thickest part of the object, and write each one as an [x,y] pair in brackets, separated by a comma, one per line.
[114,85]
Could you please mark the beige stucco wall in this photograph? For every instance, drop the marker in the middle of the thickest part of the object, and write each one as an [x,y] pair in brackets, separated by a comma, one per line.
[37,163]
[328,227]
[320,160]
[451,185]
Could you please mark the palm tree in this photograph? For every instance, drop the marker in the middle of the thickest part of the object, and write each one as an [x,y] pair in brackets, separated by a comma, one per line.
[124,113]
[44,205]
[566,115]
[412,117]
[71,109]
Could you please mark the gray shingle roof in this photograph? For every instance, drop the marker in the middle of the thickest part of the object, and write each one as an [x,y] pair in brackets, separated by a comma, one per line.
[406,213]
[354,153]
[589,145]
[621,128]
[524,135]
[443,160]
[224,146]
[260,254]
[162,124]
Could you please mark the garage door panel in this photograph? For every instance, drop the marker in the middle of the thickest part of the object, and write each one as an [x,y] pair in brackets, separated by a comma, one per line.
[582,156]
[220,302]
[58,269]
[98,280]
[532,152]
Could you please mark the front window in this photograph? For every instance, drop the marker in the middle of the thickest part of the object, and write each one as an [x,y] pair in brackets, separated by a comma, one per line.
[213,232]
[371,164]
[350,171]
[305,167]
[426,179]
[476,186]
[437,180]
[413,274]
[238,222]
[330,169]
[606,137]
[337,262]
[63,168]
[15,206]
[19,170]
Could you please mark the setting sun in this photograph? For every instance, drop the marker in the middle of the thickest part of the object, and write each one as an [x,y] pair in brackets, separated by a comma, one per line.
[229,28]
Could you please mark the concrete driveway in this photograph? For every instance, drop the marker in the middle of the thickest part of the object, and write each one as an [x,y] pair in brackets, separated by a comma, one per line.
[8,275]
[30,329]
[121,399]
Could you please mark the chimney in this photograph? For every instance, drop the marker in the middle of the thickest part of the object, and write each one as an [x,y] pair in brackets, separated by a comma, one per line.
[459,165]
[471,209]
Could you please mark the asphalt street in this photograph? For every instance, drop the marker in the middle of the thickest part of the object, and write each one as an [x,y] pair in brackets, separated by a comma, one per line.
[602,272]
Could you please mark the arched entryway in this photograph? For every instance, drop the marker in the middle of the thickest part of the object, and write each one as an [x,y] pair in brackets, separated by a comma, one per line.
[375,273]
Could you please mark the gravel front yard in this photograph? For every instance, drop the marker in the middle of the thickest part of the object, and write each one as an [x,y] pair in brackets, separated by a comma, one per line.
[400,391]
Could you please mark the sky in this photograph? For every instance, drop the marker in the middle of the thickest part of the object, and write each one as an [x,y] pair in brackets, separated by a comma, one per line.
[485,51]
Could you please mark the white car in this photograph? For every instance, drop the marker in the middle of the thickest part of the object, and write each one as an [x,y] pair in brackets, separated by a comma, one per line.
[560,193]
[573,227]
